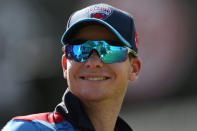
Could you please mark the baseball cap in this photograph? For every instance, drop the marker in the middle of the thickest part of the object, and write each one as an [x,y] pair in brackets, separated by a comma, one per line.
[119,22]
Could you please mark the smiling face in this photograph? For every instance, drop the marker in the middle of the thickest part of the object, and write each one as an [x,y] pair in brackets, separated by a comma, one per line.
[93,79]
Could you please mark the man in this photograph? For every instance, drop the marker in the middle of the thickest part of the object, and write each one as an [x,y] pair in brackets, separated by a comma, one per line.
[100,56]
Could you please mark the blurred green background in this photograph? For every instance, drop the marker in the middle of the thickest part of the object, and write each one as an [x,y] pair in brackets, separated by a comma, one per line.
[162,99]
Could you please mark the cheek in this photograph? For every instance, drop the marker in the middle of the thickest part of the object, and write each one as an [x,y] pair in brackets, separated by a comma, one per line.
[120,81]
[126,71]
[122,69]
[121,72]
[72,69]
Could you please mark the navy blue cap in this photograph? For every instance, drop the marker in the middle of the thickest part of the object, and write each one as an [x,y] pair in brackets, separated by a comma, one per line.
[119,22]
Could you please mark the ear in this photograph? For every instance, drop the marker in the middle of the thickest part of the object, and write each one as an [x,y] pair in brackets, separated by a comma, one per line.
[135,64]
[64,66]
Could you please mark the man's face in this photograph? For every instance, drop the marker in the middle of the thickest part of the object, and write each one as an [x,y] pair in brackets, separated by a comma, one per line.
[93,79]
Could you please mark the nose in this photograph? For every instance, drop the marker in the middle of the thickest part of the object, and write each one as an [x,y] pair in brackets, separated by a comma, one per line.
[94,61]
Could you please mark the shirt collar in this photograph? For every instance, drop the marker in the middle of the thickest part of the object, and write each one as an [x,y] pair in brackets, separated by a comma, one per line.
[72,110]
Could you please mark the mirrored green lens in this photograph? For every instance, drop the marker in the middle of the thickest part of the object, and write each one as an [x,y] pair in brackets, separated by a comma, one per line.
[114,54]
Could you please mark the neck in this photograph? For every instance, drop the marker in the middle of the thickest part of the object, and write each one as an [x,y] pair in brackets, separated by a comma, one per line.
[103,113]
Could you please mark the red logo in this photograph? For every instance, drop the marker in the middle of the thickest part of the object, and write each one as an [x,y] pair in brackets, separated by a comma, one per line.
[98,15]
[136,40]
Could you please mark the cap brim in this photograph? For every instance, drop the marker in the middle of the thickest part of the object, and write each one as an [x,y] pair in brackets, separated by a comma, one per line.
[71,30]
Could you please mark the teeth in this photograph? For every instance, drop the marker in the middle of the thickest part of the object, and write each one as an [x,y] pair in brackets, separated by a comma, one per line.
[96,78]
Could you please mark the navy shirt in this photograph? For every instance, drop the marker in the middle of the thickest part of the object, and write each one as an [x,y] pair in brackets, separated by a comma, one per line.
[68,116]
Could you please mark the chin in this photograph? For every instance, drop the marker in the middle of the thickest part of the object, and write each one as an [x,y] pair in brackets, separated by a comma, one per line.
[91,94]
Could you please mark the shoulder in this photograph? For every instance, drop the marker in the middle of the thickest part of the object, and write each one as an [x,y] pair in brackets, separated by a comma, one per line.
[50,117]
[46,121]
[19,125]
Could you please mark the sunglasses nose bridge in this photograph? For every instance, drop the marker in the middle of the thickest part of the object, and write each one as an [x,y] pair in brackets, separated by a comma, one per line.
[94,60]
[94,52]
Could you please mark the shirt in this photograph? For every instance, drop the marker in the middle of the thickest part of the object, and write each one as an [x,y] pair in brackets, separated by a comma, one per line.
[68,116]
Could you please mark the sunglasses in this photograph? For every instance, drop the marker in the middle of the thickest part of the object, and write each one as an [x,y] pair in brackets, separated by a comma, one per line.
[107,51]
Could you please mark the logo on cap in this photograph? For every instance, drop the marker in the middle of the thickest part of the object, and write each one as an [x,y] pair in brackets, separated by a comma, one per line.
[100,12]
[136,40]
